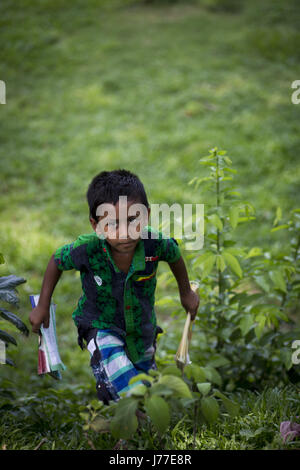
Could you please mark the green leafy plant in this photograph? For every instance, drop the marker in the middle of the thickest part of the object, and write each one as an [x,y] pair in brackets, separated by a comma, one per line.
[246,322]
[246,294]
[153,399]
[203,381]
[167,392]
[9,294]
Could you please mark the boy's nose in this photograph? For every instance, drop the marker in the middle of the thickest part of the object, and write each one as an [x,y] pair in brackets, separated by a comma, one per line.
[123,231]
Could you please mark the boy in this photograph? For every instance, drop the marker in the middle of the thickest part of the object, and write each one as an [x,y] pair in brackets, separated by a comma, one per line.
[115,315]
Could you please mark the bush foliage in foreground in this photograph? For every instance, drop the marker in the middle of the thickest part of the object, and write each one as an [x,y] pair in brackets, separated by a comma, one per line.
[246,326]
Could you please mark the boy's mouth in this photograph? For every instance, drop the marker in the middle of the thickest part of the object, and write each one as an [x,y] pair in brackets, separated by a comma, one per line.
[126,243]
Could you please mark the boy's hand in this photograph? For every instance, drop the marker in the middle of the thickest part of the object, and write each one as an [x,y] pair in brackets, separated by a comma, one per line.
[190,302]
[39,315]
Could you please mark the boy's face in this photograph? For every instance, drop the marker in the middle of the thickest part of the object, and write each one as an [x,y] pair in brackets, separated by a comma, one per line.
[122,229]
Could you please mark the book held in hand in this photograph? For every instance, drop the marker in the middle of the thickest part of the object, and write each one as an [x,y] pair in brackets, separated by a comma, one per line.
[49,361]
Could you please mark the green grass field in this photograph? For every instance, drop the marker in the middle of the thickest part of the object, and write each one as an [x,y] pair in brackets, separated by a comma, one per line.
[151,88]
[51,419]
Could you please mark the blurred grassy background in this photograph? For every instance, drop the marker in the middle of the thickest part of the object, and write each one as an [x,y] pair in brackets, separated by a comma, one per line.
[151,87]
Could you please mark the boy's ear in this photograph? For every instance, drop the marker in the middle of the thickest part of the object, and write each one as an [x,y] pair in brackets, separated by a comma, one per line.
[93,223]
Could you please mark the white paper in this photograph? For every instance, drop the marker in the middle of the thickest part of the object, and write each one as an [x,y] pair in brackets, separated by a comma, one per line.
[49,339]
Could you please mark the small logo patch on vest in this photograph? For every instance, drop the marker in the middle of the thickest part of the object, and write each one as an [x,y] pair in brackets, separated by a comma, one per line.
[151,258]
[98,280]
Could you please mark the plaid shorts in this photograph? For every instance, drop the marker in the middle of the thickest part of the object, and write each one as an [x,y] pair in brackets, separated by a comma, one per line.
[113,367]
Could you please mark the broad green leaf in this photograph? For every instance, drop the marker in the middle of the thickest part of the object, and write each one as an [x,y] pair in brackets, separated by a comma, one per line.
[208,157]
[234,216]
[139,377]
[158,410]
[220,262]
[160,389]
[246,323]
[286,357]
[100,425]
[289,271]
[192,371]
[249,208]
[138,390]
[208,160]
[192,181]
[255,251]
[212,375]
[278,216]
[232,407]
[263,283]
[227,160]
[235,334]
[204,387]
[260,326]
[219,173]
[213,237]
[227,178]
[231,170]
[153,372]
[280,314]
[208,265]
[96,404]
[235,251]
[210,409]
[171,370]
[233,263]
[249,336]
[203,180]
[203,257]
[244,299]
[2,260]
[207,163]
[125,422]
[278,280]
[216,221]
[176,384]
[246,219]
[228,243]
[262,310]
[279,227]
[218,361]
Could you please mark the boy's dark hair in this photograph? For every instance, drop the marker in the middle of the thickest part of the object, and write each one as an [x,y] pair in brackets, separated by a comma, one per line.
[107,186]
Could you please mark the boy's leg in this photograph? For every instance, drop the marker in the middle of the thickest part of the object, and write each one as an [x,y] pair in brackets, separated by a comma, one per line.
[111,366]
[148,361]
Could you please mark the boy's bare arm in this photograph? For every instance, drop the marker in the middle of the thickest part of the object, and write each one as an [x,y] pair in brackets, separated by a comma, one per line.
[40,314]
[189,299]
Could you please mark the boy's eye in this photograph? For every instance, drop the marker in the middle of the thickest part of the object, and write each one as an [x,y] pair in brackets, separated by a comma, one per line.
[113,224]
